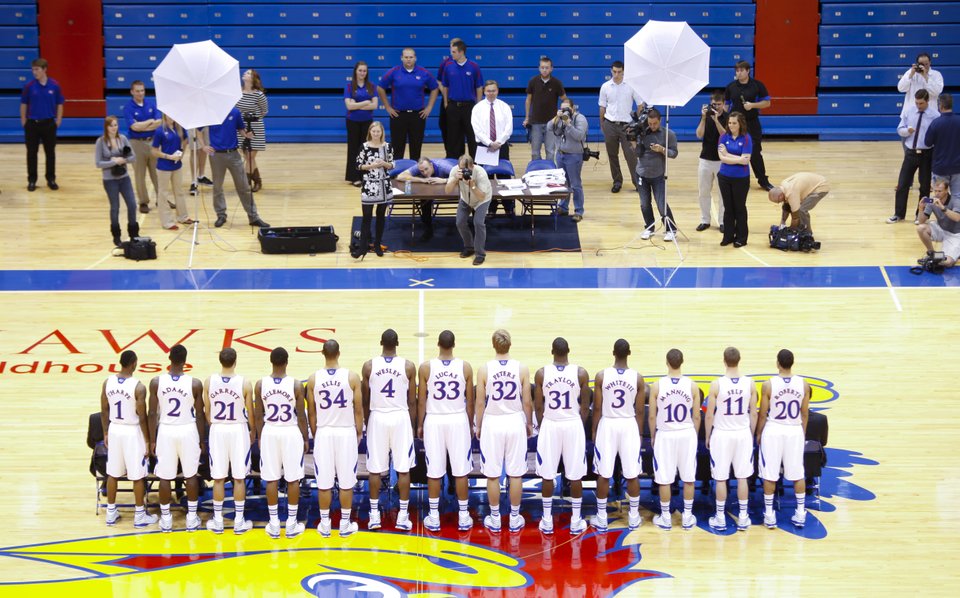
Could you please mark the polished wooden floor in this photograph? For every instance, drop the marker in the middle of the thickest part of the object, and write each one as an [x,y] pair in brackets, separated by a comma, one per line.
[890,517]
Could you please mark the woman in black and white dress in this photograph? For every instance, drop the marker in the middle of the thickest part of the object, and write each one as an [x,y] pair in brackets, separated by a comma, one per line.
[253,103]
[375,161]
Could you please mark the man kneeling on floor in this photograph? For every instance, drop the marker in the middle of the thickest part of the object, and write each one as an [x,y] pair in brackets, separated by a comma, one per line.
[944,227]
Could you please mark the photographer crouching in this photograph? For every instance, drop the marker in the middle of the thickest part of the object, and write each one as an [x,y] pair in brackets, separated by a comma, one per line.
[475,195]
[654,145]
[945,227]
[570,128]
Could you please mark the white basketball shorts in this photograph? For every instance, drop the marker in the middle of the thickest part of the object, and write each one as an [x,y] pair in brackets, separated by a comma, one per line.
[126,452]
[781,444]
[617,436]
[562,438]
[731,447]
[229,451]
[389,432]
[281,453]
[447,434]
[335,457]
[503,445]
[675,451]
[177,443]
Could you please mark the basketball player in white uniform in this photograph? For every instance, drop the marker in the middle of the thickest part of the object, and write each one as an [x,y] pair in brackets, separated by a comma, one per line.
[617,422]
[281,424]
[123,415]
[228,403]
[731,419]
[389,386]
[504,422]
[674,421]
[336,420]
[175,400]
[782,428]
[445,399]
[561,395]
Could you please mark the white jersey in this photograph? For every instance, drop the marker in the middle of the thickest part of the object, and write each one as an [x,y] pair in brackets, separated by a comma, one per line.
[176,403]
[503,389]
[619,393]
[122,396]
[446,387]
[227,405]
[733,403]
[279,401]
[561,392]
[786,400]
[389,384]
[675,403]
[333,398]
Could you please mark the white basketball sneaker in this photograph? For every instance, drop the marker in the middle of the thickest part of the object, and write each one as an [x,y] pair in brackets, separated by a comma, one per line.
[599,522]
[166,523]
[347,528]
[492,523]
[144,519]
[634,521]
[770,520]
[294,528]
[432,523]
[215,526]
[323,528]
[743,522]
[799,519]
[669,236]
[273,529]
[112,517]
[403,522]
[464,521]
[718,523]
[688,521]
[516,523]
[193,522]
[646,234]
[374,522]
[578,526]
[546,526]
[663,521]
[242,526]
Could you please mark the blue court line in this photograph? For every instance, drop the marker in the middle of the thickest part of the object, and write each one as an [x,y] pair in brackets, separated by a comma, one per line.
[468,278]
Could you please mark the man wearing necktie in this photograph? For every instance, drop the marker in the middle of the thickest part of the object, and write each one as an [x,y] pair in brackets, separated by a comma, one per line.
[917,155]
[492,122]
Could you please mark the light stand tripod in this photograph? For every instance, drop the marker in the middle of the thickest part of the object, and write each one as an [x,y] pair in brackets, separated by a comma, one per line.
[195,228]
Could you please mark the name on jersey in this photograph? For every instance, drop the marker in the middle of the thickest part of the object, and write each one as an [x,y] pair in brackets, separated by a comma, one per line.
[329,383]
[215,394]
[674,393]
[119,393]
[559,381]
[619,383]
[502,374]
[388,372]
[277,393]
[176,390]
[788,391]
[446,374]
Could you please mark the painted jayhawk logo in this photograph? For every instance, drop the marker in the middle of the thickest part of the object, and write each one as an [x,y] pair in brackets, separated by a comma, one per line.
[388,565]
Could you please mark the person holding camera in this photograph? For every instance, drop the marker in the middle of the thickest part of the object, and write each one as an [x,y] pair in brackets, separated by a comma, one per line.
[917,155]
[799,193]
[253,106]
[143,119]
[945,227]
[713,124]
[375,161]
[734,149]
[223,157]
[919,76]
[617,100]
[653,147]
[475,195]
[570,129]
[169,141]
[111,154]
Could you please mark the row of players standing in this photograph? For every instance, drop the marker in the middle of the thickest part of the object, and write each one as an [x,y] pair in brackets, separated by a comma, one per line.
[392,399]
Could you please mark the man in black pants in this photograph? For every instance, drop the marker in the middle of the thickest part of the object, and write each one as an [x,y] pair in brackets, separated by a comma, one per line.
[462,88]
[748,95]
[41,112]
[407,104]
[917,155]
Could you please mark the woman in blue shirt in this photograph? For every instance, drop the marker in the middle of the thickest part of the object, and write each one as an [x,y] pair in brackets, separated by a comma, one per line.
[734,179]
[168,145]
[360,97]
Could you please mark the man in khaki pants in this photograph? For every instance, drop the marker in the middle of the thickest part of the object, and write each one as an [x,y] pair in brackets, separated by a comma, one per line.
[143,119]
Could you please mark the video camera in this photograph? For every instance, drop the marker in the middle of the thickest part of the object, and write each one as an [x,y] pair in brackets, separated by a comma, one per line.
[637,126]
[792,239]
[932,262]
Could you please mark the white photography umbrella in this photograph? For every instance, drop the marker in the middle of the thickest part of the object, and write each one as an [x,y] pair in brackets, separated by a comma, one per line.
[666,62]
[197,84]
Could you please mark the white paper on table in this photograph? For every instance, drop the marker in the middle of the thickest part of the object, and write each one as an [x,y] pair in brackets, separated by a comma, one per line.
[546,190]
[398,192]
[487,157]
[511,183]
[510,192]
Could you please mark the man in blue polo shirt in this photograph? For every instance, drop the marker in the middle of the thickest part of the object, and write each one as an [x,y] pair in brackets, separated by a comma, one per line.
[224,156]
[462,88]
[143,119]
[944,136]
[41,112]
[407,106]
[433,172]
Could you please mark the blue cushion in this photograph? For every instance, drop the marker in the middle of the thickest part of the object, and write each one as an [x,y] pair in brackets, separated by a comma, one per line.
[503,169]
[540,165]
[401,165]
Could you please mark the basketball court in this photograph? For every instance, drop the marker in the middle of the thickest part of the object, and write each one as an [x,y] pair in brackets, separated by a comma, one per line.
[874,340]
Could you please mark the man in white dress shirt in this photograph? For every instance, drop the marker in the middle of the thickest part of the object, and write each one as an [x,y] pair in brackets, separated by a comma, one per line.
[492,122]
[919,76]
[617,100]
[917,155]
